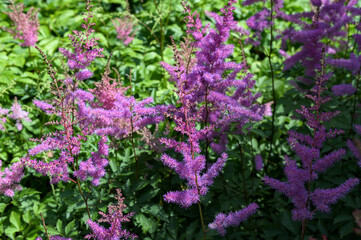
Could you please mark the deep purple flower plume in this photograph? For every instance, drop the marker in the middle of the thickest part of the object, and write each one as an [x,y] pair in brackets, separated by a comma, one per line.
[308,150]
[343,89]
[258,162]
[223,221]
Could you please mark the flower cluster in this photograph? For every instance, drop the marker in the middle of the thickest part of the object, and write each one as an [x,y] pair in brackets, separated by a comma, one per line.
[223,221]
[16,113]
[210,79]
[9,179]
[26,25]
[308,149]
[124,28]
[115,218]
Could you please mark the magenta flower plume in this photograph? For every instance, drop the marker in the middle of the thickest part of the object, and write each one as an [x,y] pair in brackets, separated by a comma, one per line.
[125,29]
[223,221]
[9,179]
[66,105]
[85,50]
[308,149]
[114,218]
[26,25]
[211,76]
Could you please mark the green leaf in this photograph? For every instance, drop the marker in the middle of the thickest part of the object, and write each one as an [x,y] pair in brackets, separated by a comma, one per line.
[69,228]
[27,217]
[2,207]
[52,230]
[59,225]
[346,229]
[15,220]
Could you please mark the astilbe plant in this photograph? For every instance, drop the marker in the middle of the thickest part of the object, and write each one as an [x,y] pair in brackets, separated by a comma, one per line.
[125,29]
[26,24]
[308,148]
[67,143]
[328,20]
[115,218]
[214,79]
[202,80]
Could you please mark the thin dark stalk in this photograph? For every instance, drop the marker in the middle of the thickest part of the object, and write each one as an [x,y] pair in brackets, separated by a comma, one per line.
[132,129]
[35,66]
[85,199]
[243,173]
[46,229]
[354,104]
[273,86]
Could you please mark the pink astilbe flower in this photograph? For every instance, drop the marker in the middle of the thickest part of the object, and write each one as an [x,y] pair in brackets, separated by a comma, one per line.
[115,218]
[26,25]
[55,238]
[18,114]
[9,179]
[223,221]
[308,149]
[125,29]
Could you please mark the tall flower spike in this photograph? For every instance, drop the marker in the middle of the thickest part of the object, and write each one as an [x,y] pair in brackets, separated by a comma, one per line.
[308,149]
[85,50]
[26,25]
[212,81]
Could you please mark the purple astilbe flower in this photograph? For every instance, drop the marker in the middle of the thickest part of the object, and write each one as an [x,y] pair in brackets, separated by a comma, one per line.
[258,162]
[223,221]
[95,165]
[328,20]
[85,50]
[26,25]
[67,143]
[262,20]
[9,179]
[212,76]
[18,114]
[308,149]
[343,89]
[115,218]
[113,113]
[125,29]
